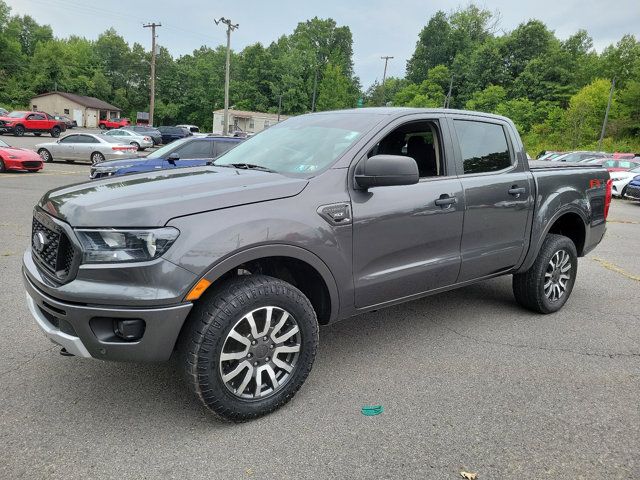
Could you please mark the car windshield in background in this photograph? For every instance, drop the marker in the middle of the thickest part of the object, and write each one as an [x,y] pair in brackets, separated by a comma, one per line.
[301,145]
[166,150]
[3,144]
[16,114]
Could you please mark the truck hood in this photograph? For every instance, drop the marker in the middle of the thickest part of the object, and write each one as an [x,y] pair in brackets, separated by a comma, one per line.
[152,199]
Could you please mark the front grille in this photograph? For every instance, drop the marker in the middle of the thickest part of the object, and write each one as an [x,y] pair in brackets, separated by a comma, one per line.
[56,252]
[31,164]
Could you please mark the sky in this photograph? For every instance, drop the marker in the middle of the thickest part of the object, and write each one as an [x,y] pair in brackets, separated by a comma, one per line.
[379,27]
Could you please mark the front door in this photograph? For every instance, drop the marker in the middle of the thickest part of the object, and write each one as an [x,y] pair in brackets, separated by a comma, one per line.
[498,196]
[77,116]
[403,242]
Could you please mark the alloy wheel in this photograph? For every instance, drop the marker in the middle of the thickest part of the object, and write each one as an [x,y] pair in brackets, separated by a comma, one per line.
[557,275]
[260,353]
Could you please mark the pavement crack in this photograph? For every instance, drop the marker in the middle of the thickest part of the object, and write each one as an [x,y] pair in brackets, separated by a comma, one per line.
[617,269]
[537,347]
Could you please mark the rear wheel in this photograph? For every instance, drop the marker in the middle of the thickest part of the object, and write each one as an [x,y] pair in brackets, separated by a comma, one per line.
[55,132]
[136,144]
[45,155]
[96,157]
[18,131]
[249,346]
[2,167]
[102,126]
[547,285]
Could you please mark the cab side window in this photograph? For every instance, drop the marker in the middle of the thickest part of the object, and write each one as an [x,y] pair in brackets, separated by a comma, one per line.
[196,149]
[483,146]
[419,140]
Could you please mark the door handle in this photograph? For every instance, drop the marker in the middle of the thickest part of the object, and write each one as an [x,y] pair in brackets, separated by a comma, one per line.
[445,200]
[517,191]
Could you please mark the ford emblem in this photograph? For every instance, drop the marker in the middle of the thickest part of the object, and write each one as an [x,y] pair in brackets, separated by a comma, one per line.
[39,241]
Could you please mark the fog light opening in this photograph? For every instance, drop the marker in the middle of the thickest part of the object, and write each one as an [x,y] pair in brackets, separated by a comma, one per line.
[129,330]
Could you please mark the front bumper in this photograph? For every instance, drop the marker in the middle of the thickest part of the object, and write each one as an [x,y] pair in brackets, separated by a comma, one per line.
[32,165]
[6,129]
[84,330]
[633,191]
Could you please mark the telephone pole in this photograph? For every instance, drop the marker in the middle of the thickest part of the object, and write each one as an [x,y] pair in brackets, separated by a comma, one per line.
[152,99]
[384,77]
[230,28]
[606,113]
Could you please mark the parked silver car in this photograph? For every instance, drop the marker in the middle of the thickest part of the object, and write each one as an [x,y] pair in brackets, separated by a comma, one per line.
[85,146]
[136,139]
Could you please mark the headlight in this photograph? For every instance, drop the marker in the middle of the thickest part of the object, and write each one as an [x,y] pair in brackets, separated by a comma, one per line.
[113,245]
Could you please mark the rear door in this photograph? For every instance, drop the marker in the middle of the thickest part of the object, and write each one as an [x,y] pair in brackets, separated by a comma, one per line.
[85,146]
[36,121]
[498,191]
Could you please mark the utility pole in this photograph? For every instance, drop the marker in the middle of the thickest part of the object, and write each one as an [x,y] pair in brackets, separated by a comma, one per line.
[152,99]
[606,113]
[447,99]
[279,106]
[384,76]
[230,28]
[315,87]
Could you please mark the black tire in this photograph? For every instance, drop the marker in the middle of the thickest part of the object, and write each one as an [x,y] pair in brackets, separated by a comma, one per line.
[203,338]
[137,145]
[2,169]
[55,132]
[37,134]
[102,126]
[96,157]
[529,286]
[18,131]
[45,155]
[623,192]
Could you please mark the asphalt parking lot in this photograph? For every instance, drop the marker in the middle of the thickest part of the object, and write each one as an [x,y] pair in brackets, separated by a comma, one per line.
[468,381]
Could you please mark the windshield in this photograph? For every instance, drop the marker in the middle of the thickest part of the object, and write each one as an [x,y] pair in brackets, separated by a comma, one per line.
[16,114]
[166,149]
[301,145]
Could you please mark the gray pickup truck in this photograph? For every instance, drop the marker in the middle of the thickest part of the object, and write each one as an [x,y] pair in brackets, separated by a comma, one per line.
[232,267]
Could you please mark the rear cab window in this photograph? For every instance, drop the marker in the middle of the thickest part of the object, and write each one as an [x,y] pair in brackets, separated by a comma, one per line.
[483,146]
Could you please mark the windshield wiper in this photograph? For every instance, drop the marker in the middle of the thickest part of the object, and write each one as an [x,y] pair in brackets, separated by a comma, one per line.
[247,166]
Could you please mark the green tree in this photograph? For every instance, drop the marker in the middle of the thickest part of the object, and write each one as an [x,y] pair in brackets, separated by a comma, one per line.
[334,91]
[487,100]
[585,114]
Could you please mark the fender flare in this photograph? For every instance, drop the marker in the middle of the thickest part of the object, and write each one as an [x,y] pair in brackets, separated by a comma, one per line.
[280,250]
[533,252]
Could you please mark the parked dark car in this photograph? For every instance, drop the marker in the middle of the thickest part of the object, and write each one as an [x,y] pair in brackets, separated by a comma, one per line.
[152,132]
[67,121]
[633,189]
[169,134]
[231,268]
[186,152]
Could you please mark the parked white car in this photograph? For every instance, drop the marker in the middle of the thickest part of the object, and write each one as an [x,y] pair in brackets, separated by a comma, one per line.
[85,146]
[136,139]
[620,180]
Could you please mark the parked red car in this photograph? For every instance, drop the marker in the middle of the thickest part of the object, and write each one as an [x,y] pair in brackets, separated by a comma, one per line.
[13,158]
[19,123]
[108,124]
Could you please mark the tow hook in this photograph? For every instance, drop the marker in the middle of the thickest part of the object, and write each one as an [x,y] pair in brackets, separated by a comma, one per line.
[64,353]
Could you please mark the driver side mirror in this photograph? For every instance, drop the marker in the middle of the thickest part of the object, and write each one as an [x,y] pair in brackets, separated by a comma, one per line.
[386,171]
[173,157]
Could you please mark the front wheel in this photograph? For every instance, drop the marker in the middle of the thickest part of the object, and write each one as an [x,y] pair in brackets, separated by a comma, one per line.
[96,157]
[248,346]
[45,155]
[18,131]
[55,132]
[547,285]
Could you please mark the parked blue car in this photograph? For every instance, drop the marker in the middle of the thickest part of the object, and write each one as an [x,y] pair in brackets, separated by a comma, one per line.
[633,189]
[187,152]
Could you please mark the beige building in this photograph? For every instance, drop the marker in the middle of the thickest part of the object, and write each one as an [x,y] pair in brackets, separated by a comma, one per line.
[250,122]
[86,111]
